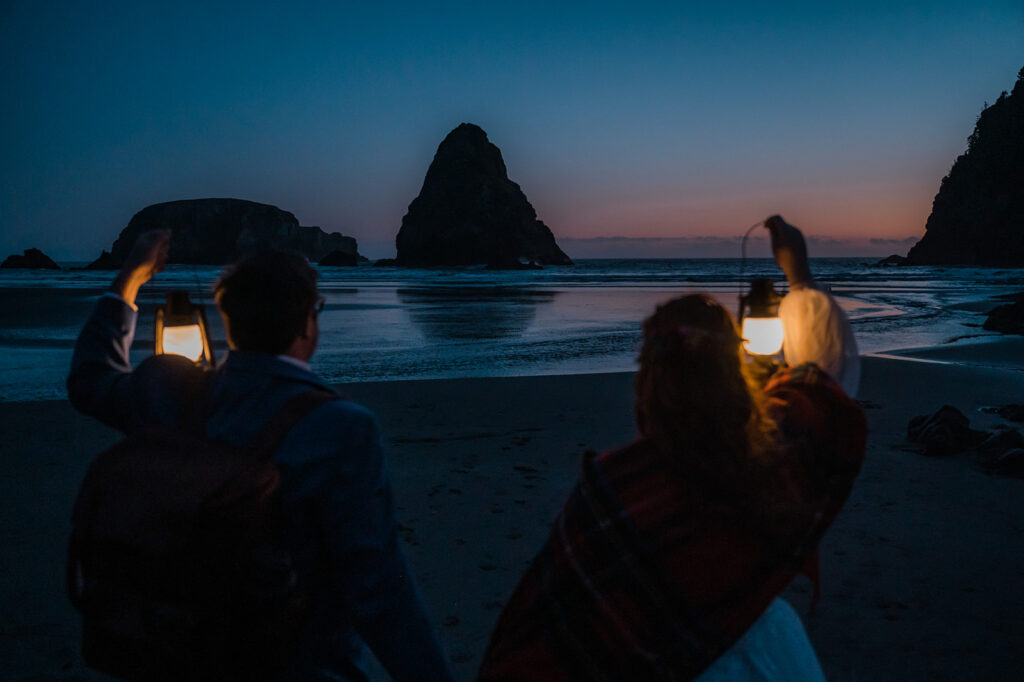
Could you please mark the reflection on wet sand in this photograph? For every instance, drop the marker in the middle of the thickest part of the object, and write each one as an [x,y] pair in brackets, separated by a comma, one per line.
[472,312]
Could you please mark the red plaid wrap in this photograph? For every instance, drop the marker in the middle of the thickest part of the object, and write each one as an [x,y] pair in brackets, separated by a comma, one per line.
[641,581]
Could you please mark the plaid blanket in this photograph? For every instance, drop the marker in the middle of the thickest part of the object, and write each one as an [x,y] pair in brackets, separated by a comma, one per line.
[644,579]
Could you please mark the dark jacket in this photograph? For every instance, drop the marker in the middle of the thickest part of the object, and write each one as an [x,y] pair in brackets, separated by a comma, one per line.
[334,485]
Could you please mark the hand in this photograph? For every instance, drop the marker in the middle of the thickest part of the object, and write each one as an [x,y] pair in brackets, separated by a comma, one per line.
[147,257]
[790,251]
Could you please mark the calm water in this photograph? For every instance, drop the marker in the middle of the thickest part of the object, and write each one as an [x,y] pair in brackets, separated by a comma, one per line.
[386,323]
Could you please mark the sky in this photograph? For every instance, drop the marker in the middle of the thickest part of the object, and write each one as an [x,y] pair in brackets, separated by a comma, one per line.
[634,128]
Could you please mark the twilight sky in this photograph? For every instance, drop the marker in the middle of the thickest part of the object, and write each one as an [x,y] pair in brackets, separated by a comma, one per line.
[672,125]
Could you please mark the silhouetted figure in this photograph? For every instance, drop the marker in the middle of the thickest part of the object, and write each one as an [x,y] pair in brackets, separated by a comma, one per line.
[667,559]
[340,526]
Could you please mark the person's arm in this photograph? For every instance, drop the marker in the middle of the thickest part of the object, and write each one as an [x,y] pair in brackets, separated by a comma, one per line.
[816,328]
[367,563]
[99,382]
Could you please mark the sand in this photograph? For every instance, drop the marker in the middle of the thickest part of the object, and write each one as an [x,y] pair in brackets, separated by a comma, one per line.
[923,572]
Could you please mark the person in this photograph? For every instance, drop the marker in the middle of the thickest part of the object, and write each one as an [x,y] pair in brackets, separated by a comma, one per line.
[668,557]
[340,522]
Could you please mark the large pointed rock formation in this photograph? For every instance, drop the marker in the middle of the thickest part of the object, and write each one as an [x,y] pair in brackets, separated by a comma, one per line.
[469,212]
[215,231]
[978,215]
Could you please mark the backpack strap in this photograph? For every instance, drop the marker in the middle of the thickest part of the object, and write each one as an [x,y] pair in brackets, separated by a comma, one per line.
[287,416]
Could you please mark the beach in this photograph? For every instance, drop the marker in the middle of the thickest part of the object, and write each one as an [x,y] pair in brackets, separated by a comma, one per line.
[922,572]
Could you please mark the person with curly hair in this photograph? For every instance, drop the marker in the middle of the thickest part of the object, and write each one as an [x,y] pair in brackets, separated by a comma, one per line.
[668,558]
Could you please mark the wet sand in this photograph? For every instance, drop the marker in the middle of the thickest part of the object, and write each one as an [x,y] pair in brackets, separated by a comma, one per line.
[923,571]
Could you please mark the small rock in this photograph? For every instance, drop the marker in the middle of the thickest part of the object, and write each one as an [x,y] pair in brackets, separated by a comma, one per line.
[340,259]
[946,432]
[1002,452]
[1010,463]
[1012,412]
[1006,319]
[894,259]
[34,259]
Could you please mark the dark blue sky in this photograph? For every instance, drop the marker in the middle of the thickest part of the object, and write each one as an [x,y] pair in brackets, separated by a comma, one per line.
[658,120]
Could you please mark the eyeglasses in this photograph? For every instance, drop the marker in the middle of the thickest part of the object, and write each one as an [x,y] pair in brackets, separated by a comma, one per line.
[318,307]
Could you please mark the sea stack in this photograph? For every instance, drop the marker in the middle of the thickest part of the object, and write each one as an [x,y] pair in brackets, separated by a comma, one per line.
[469,212]
[216,231]
[978,215]
[33,259]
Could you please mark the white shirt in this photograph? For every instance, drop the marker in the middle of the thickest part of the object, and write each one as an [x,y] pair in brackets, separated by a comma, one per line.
[817,330]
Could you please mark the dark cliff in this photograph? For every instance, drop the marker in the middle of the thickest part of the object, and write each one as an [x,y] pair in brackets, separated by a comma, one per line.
[215,231]
[33,259]
[469,212]
[978,215]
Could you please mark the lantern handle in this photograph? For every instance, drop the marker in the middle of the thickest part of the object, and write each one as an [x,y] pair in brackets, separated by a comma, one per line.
[743,263]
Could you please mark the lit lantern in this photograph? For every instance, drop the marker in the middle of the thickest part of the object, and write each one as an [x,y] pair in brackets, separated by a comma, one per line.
[759,315]
[181,329]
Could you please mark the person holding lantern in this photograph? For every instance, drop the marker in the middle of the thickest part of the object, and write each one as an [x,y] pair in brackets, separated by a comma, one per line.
[339,517]
[667,559]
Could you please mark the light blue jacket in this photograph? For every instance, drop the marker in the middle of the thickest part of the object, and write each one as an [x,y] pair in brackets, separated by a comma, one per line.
[336,493]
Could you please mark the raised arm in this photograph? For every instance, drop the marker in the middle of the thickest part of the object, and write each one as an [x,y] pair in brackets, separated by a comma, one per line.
[816,328]
[100,382]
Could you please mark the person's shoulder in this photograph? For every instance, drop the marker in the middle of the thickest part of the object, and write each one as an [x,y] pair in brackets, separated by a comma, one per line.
[808,374]
[163,384]
[809,379]
[342,418]
[340,406]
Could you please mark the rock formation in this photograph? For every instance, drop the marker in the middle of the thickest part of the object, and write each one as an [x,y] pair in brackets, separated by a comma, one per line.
[469,212]
[1007,318]
[215,231]
[342,258]
[978,215]
[948,432]
[889,261]
[33,259]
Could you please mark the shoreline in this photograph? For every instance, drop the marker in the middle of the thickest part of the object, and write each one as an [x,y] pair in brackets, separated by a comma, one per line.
[996,352]
[922,574]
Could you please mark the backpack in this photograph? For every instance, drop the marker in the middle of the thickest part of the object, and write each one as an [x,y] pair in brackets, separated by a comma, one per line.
[176,558]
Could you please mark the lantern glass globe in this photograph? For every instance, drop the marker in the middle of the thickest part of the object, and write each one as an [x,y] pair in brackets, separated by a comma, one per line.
[762,335]
[184,340]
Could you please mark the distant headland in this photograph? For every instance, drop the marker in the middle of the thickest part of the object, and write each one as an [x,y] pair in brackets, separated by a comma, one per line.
[215,231]
[977,217]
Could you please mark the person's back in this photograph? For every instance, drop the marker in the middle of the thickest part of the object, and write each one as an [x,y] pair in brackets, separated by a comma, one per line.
[340,524]
[667,559]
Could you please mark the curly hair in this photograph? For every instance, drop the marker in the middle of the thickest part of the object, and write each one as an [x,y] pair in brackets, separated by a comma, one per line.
[695,401]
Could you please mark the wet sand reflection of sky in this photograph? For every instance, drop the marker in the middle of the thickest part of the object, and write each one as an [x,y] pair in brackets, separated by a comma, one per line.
[466,313]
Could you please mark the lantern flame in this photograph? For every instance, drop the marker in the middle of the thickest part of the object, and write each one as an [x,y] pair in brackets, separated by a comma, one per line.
[184,340]
[762,335]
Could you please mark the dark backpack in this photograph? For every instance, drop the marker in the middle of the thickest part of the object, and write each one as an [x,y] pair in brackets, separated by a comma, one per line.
[176,558]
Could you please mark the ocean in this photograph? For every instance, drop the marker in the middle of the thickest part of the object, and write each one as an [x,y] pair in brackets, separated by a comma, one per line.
[389,323]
